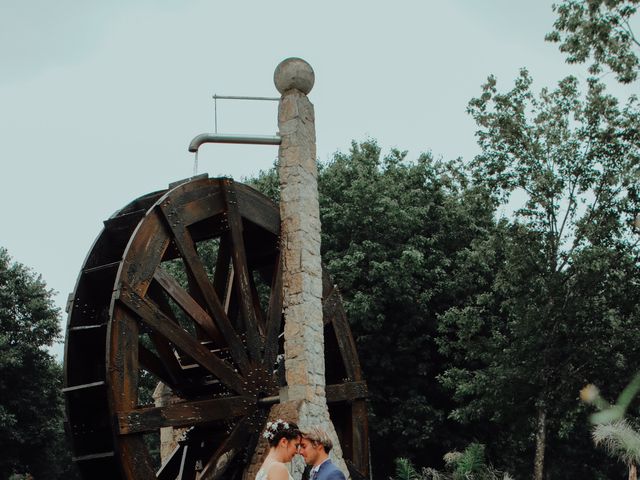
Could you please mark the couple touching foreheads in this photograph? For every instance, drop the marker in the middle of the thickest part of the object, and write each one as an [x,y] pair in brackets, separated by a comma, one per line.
[286,440]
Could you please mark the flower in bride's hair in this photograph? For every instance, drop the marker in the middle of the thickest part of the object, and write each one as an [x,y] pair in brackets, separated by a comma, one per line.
[274,427]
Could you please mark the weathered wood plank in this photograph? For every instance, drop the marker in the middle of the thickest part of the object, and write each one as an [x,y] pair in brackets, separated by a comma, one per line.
[136,463]
[349,391]
[157,295]
[257,307]
[153,317]
[170,468]
[151,363]
[216,466]
[242,282]
[184,414]
[360,436]
[188,305]
[185,245]
[274,318]
[332,309]
[144,254]
[258,209]
[223,265]
[123,360]
[355,472]
[123,378]
[197,201]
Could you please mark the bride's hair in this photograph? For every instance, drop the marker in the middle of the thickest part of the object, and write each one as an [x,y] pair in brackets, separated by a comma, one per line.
[279,429]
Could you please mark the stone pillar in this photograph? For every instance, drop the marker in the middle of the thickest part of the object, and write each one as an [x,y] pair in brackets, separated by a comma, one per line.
[300,247]
[303,400]
[169,437]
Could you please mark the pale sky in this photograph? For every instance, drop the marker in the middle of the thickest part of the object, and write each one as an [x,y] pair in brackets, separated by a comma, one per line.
[99,100]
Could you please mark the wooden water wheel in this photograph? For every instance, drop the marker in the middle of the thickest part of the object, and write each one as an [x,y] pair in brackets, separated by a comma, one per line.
[183,287]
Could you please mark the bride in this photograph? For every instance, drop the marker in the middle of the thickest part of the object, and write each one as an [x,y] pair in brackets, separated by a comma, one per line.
[284,441]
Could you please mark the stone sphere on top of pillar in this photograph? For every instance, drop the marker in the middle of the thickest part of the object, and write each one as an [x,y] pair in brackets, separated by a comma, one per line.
[293,73]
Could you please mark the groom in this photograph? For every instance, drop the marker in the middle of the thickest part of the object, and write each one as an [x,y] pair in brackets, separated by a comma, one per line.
[315,446]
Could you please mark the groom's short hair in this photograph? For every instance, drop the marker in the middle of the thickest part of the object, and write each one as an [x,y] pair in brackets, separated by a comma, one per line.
[318,436]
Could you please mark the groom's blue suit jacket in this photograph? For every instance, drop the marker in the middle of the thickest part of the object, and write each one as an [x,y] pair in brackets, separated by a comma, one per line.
[328,471]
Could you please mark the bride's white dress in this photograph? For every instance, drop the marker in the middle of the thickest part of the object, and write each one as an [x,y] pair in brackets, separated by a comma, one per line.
[262,475]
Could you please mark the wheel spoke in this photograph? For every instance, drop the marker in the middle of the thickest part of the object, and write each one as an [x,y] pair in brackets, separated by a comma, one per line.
[151,363]
[221,275]
[187,465]
[257,308]
[189,305]
[159,322]
[171,467]
[194,265]
[164,348]
[334,312]
[183,414]
[233,444]
[241,271]
[274,316]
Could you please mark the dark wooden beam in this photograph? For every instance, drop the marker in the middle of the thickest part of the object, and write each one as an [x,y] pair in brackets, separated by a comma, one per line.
[333,309]
[223,267]
[230,448]
[274,318]
[242,283]
[360,435]
[349,391]
[123,382]
[187,249]
[188,305]
[170,469]
[155,319]
[150,243]
[152,364]
[184,414]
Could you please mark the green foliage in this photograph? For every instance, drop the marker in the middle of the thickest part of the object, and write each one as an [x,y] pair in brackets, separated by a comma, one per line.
[619,439]
[394,234]
[612,429]
[467,465]
[31,411]
[405,470]
[564,294]
[398,238]
[462,327]
[470,462]
[599,30]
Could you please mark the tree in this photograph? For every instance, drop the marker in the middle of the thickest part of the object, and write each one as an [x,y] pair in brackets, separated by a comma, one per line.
[31,434]
[565,296]
[393,231]
[600,30]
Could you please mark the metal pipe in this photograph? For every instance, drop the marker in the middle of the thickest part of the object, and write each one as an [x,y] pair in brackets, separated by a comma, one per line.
[236,97]
[232,138]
